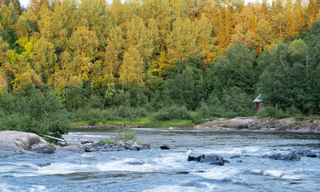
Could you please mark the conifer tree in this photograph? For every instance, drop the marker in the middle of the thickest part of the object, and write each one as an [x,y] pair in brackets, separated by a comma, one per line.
[132,72]
[182,41]
[205,40]
[111,63]
[311,14]
[290,29]
[84,42]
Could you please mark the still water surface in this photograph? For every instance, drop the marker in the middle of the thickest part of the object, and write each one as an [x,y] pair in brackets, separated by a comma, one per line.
[159,170]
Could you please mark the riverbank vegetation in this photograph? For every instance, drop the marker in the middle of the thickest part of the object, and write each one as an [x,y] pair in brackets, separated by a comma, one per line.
[156,62]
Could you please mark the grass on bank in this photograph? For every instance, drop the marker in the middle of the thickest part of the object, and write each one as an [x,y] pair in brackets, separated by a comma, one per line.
[144,122]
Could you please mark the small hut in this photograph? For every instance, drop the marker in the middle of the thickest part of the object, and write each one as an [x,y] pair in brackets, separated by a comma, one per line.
[258,101]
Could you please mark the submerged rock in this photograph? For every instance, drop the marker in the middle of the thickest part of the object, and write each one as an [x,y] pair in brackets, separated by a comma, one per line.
[15,142]
[166,147]
[235,156]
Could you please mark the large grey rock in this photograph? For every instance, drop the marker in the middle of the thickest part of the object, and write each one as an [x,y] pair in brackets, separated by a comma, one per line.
[131,145]
[42,148]
[16,142]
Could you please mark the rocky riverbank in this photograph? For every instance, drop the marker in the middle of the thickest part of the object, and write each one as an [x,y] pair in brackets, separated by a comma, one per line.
[267,124]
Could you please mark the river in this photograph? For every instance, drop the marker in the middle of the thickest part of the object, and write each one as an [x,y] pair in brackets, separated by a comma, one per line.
[168,170]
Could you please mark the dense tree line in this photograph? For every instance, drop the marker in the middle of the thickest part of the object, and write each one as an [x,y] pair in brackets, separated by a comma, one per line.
[210,56]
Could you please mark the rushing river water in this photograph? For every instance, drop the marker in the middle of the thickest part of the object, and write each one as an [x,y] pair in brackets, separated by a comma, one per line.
[168,170]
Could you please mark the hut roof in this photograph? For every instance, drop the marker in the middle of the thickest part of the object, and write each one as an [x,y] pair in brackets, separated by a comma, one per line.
[258,99]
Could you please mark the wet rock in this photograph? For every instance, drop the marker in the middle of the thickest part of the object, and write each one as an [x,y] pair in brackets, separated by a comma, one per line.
[131,145]
[303,152]
[311,154]
[89,147]
[276,156]
[87,141]
[132,148]
[235,156]
[247,156]
[166,147]
[183,172]
[213,159]
[107,145]
[292,156]
[45,148]
[77,148]
[121,149]
[226,161]
[194,157]
[239,161]
[136,162]
[119,145]
[265,156]
[144,146]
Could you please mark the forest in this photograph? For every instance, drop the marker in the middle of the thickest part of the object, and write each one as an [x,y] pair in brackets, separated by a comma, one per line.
[64,61]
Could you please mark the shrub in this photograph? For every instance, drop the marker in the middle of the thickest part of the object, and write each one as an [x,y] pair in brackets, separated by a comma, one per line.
[125,134]
[273,112]
[203,111]
[106,141]
[172,113]
[94,116]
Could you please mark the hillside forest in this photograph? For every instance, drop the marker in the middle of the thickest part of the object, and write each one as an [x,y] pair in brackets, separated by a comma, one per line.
[70,60]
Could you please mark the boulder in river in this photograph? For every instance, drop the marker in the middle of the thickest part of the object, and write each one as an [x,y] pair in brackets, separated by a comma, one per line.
[193,157]
[77,148]
[87,141]
[213,159]
[235,156]
[166,147]
[144,146]
[276,156]
[131,145]
[16,142]
[311,154]
[89,147]
[303,152]
[292,156]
